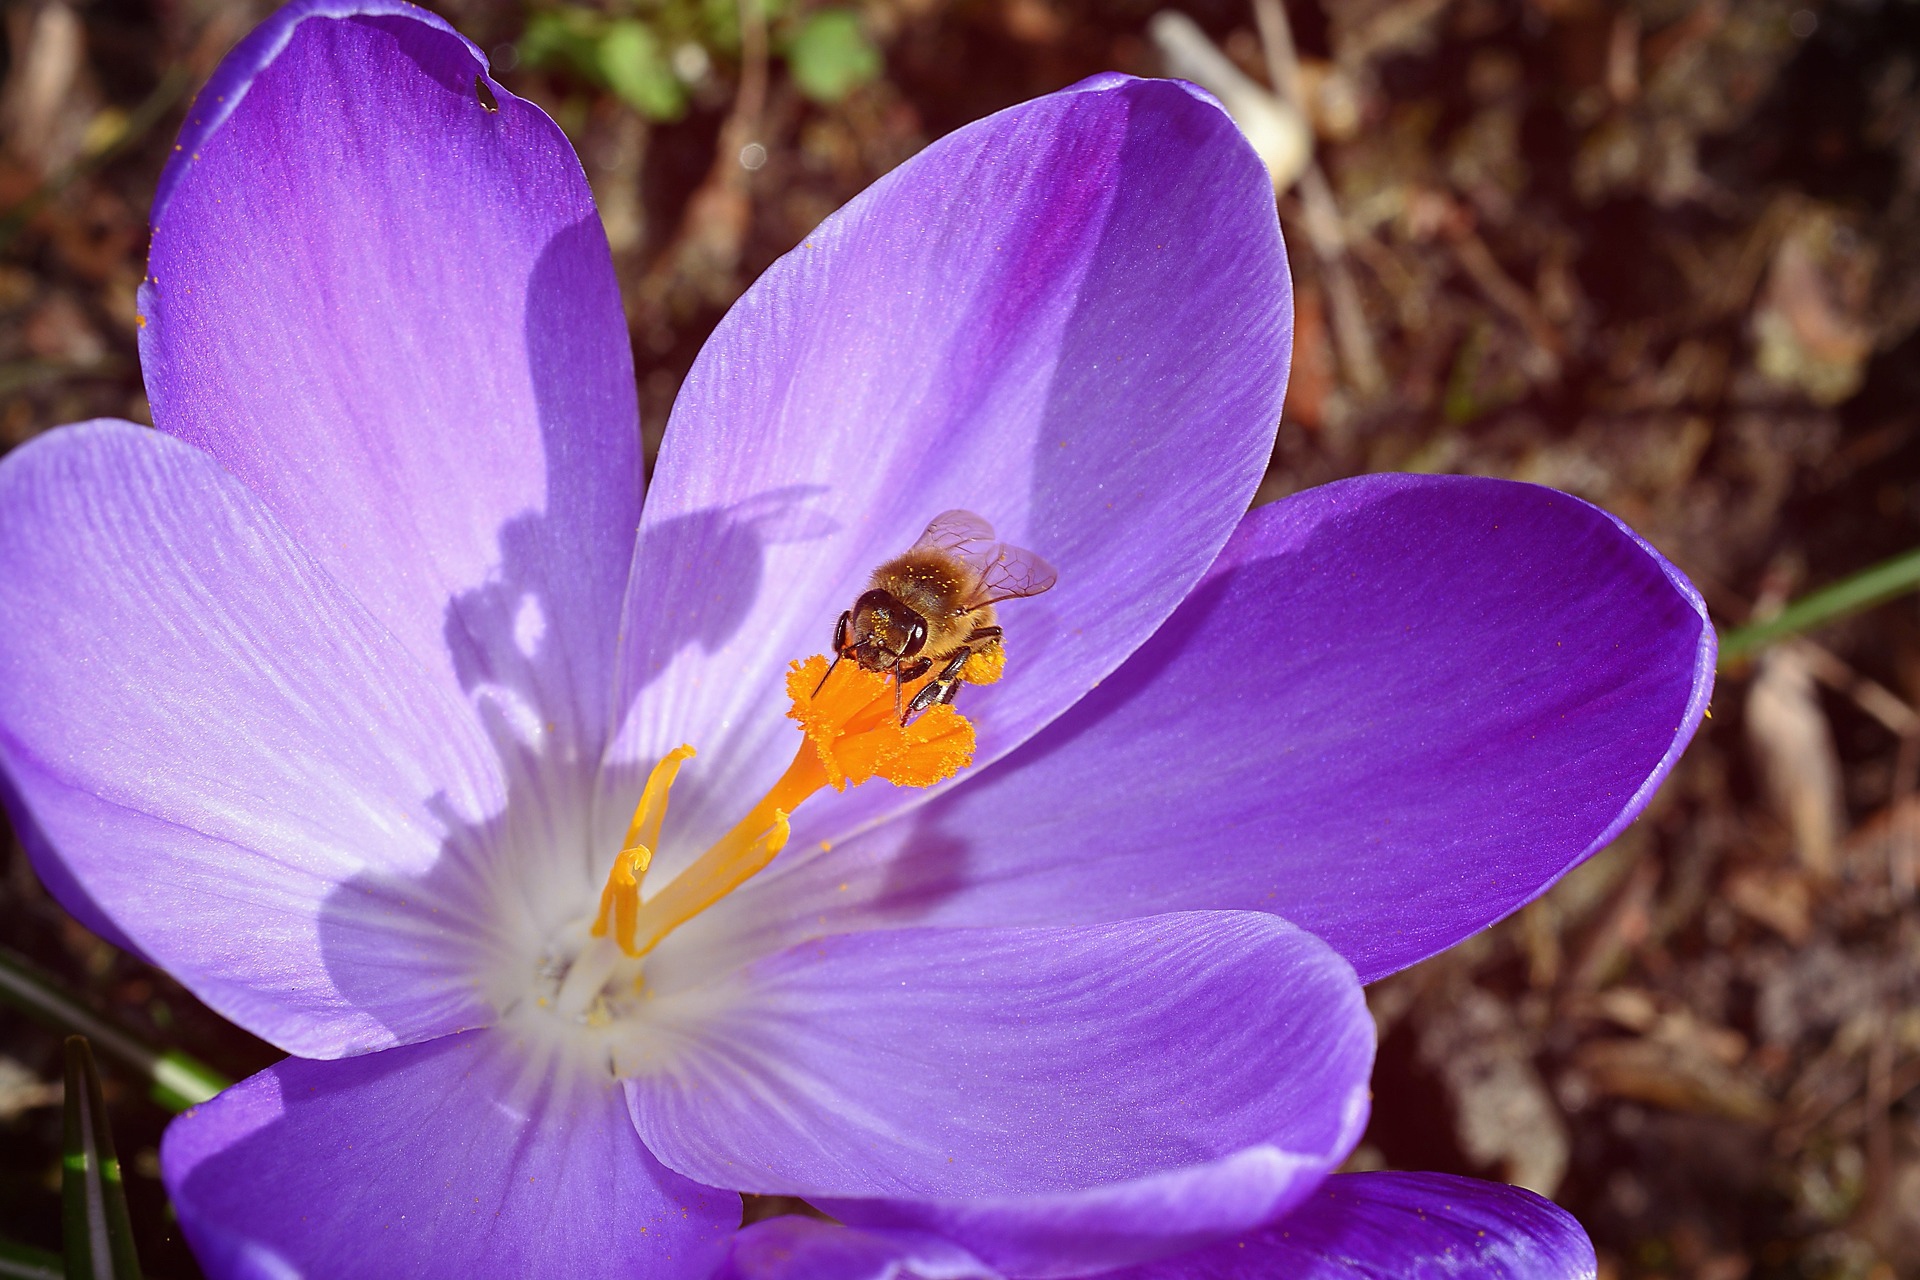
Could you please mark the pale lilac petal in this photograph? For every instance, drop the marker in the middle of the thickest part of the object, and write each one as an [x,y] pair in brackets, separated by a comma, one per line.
[473,1155]
[1400,1226]
[391,311]
[1072,318]
[809,1249]
[252,780]
[1053,1100]
[1398,708]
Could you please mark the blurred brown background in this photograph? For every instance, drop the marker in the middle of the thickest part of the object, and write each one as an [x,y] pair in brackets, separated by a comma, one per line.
[1664,254]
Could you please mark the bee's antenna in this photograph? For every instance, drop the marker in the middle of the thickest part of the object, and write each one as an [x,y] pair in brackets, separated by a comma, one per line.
[839,647]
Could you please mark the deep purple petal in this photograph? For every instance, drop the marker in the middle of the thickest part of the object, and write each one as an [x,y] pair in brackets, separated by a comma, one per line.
[1398,708]
[1072,317]
[1400,1226]
[1054,1100]
[243,770]
[390,310]
[809,1249]
[467,1156]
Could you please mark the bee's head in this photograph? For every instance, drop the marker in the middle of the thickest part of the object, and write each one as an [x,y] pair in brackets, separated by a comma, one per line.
[883,631]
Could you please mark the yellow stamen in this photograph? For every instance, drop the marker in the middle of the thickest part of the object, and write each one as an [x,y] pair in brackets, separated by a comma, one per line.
[644,830]
[852,732]
[620,900]
[715,874]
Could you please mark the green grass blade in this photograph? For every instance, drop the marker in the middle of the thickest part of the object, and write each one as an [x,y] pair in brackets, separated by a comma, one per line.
[1863,590]
[175,1080]
[93,1202]
[24,1262]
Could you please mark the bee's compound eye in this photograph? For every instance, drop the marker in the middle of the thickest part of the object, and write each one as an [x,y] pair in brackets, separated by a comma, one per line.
[916,638]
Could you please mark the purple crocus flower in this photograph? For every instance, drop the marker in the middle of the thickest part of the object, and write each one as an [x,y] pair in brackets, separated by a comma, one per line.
[1355,1226]
[335,695]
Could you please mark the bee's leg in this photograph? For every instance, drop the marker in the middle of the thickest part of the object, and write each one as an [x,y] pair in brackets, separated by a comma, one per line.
[939,689]
[905,673]
[839,646]
[936,691]
[981,636]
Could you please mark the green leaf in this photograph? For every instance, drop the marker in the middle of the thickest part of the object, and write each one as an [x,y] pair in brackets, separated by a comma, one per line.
[93,1203]
[562,37]
[720,20]
[179,1080]
[716,23]
[1863,590]
[636,68]
[175,1080]
[24,1262]
[831,56]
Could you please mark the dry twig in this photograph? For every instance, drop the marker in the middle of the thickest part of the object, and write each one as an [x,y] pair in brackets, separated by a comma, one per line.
[1326,233]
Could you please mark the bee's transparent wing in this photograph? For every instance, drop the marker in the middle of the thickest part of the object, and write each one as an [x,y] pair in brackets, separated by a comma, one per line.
[964,534]
[1002,572]
[1013,572]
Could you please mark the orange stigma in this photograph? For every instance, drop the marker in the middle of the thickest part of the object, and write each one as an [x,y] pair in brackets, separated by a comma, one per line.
[852,722]
[852,732]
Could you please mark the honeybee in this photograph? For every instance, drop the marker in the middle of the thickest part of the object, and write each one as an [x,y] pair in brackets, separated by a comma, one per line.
[933,608]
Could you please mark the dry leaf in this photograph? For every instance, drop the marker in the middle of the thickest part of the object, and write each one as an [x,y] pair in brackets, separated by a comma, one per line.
[1794,747]
[1777,897]
[1679,1077]
[1505,1117]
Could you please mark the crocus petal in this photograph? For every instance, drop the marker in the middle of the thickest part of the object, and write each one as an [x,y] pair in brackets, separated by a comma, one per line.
[54,874]
[1397,708]
[379,294]
[809,1249]
[1054,1100]
[1071,317]
[249,776]
[1400,1226]
[466,1156]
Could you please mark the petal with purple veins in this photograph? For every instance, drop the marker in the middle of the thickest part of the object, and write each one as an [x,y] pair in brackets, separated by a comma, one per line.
[378,292]
[469,1155]
[250,777]
[1400,1226]
[1072,318]
[1397,708]
[1055,1101]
